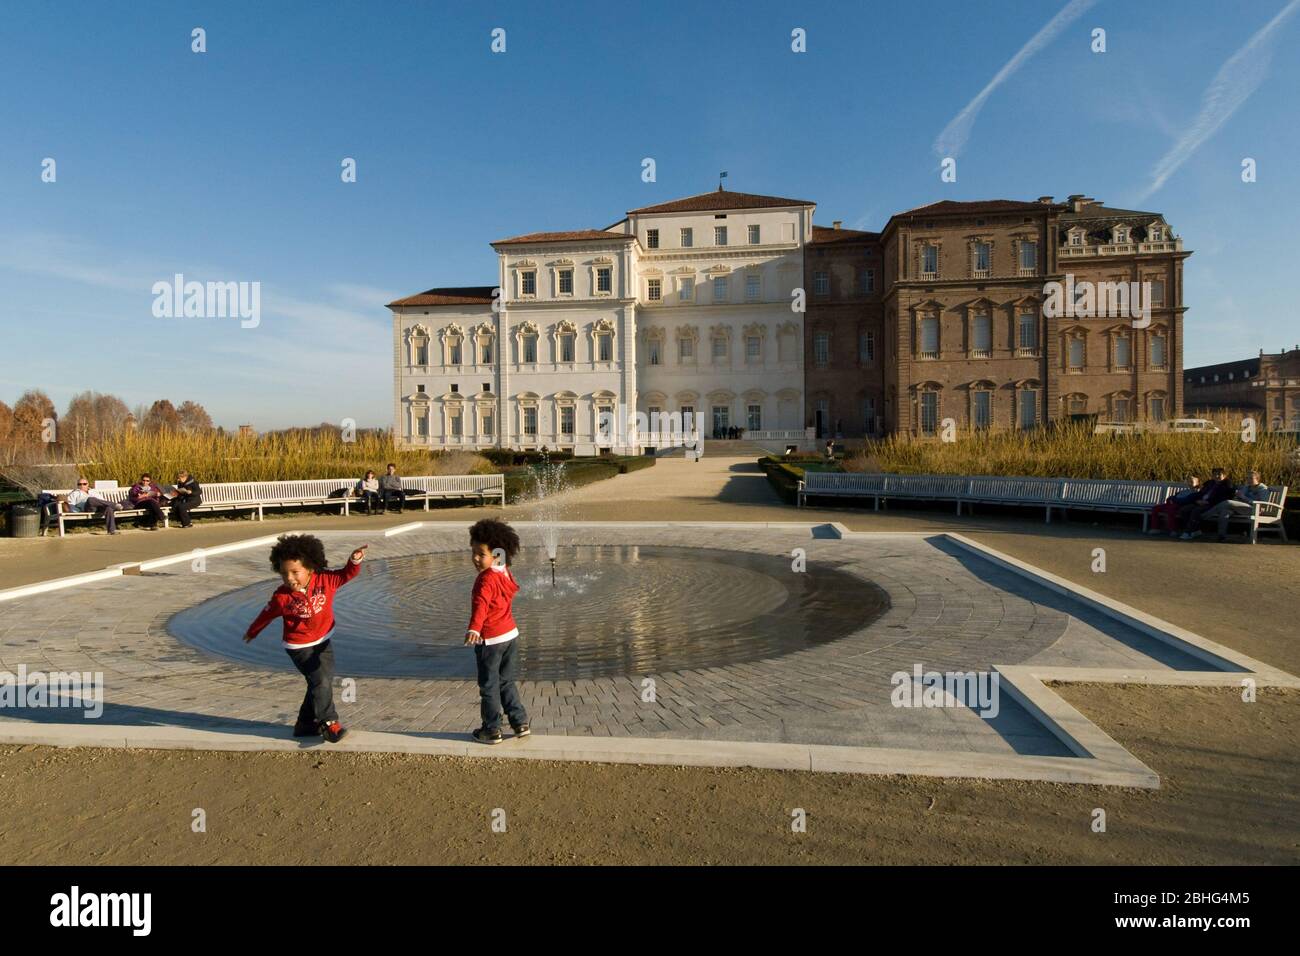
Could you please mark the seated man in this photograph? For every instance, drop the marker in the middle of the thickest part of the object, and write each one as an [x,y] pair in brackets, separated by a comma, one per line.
[81,500]
[1242,503]
[1218,489]
[1168,512]
[390,489]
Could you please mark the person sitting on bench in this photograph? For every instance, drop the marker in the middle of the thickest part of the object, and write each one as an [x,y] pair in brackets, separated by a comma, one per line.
[146,496]
[188,495]
[367,490]
[390,489]
[80,500]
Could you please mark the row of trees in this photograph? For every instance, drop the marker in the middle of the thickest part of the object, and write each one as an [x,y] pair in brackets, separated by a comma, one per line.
[34,422]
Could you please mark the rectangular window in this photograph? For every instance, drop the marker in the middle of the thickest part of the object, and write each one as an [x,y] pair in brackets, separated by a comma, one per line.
[754,417]
[753,348]
[1157,351]
[868,281]
[867,347]
[653,350]
[753,235]
[821,349]
[606,347]
[983,260]
[688,419]
[929,261]
[1076,355]
[1156,409]
[455,352]
[530,348]
[604,279]
[529,283]
[719,289]
[719,235]
[454,388]
[981,337]
[566,420]
[566,282]
[486,428]
[688,238]
[422,426]
[455,425]
[821,283]
[929,412]
[566,347]
[485,353]
[1157,292]
[982,409]
[654,289]
[685,350]
[753,287]
[1123,411]
[721,420]
[719,350]
[929,337]
[869,415]
[1028,340]
[422,353]
[1078,404]
[530,421]
[1028,256]
[1028,408]
[1123,352]
[652,238]
[686,289]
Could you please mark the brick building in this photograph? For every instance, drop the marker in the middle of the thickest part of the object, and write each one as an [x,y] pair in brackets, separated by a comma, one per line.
[1266,388]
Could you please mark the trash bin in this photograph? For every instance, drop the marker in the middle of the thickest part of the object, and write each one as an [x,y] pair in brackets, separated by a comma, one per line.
[24,521]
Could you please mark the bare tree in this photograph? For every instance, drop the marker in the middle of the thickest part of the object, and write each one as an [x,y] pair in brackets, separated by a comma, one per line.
[194,418]
[31,413]
[161,417]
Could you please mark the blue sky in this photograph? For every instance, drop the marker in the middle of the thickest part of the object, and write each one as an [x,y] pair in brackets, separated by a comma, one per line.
[225,165]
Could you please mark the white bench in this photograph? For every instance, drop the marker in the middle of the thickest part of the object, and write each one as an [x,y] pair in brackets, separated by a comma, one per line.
[259,495]
[1051,494]
[1265,515]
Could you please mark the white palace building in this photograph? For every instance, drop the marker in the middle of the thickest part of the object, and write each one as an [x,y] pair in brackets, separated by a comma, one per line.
[680,311]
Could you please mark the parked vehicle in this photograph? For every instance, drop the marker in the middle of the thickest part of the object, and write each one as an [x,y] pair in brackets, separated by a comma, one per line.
[1192,425]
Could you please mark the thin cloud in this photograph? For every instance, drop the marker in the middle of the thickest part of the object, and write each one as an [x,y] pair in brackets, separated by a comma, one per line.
[952,140]
[1239,77]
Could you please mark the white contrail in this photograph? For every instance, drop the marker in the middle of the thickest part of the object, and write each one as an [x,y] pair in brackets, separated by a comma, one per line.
[1239,77]
[953,137]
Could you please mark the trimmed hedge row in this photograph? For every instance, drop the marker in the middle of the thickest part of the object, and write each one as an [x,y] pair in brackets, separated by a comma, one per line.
[784,477]
[505,458]
[520,481]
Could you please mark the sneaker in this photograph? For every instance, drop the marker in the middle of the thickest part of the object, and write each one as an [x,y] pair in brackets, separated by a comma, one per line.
[305,730]
[520,730]
[485,736]
[333,731]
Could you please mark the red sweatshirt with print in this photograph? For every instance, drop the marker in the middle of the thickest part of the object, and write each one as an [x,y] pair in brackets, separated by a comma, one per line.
[490,615]
[308,615]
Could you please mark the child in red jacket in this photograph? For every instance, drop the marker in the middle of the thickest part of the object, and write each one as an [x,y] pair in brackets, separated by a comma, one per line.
[306,603]
[492,629]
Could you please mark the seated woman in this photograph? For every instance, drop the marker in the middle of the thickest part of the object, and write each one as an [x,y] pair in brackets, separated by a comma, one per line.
[188,495]
[144,494]
[367,490]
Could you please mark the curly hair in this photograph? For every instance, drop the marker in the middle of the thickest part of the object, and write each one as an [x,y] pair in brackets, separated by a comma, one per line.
[496,534]
[306,548]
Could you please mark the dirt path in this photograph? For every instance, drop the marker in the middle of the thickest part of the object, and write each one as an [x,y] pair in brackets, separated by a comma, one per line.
[1231,794]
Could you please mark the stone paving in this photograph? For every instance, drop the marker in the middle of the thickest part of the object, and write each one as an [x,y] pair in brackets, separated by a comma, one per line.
[948,611]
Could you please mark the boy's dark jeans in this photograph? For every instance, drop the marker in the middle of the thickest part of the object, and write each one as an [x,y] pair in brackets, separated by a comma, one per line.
[498,664]
[317,665]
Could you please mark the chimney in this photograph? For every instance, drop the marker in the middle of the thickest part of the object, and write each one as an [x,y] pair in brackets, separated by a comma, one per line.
[835,224]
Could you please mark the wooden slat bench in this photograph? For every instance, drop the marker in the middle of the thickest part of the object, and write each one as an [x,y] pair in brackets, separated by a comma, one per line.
[256,496]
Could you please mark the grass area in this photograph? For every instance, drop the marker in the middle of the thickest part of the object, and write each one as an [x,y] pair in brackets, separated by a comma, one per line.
[1072,451]
[229,458]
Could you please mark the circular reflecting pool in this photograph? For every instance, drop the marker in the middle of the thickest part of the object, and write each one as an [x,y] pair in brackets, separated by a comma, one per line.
[614,610]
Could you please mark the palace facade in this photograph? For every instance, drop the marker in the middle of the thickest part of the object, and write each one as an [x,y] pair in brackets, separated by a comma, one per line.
[731,309]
